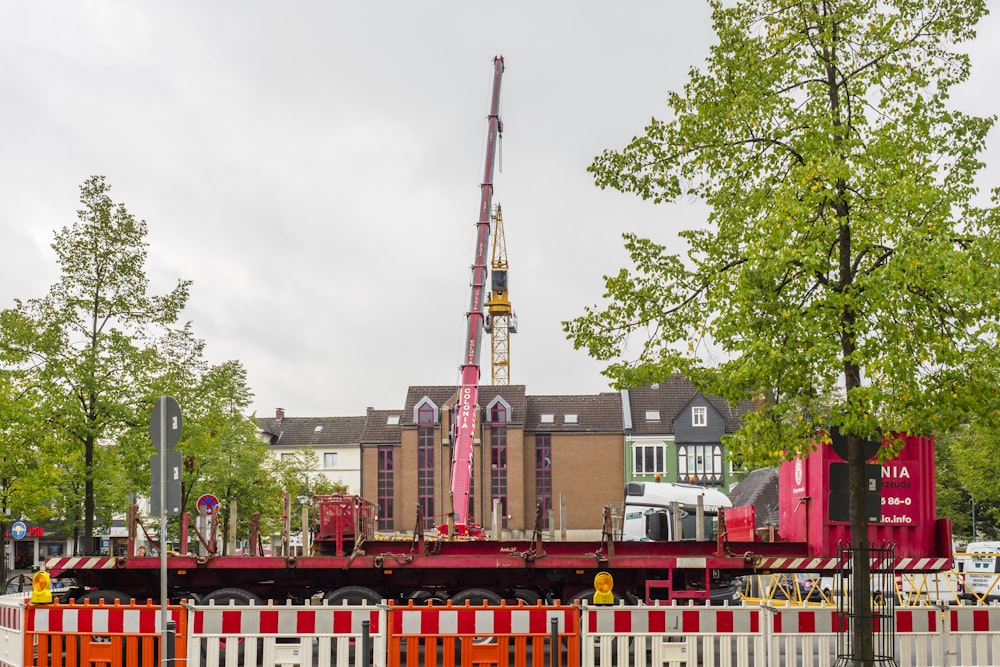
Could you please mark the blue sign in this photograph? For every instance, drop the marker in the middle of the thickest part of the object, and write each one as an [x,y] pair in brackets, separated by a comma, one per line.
[18,530]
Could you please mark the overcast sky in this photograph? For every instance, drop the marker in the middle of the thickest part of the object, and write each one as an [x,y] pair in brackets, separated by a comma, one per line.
[314,168]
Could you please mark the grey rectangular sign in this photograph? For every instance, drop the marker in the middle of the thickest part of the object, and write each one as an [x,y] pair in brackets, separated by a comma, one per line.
[173,483]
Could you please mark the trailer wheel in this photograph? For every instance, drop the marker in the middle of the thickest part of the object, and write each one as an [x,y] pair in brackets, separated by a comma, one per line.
[426,597]
[354,595]
[476,597]
[107,595]
[527,595]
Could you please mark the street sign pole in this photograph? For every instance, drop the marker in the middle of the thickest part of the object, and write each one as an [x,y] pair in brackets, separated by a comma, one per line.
[164,602]
[165,430]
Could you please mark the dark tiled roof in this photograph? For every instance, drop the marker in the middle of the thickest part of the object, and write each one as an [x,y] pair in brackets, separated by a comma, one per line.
[669,398]
[760,489]
[595,413]
[313,431]
[382,426]
[442,395]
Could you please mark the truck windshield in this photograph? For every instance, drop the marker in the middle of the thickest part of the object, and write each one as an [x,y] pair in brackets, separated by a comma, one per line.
[658,526]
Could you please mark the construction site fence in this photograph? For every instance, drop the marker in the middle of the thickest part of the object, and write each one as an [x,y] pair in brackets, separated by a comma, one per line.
[542,635]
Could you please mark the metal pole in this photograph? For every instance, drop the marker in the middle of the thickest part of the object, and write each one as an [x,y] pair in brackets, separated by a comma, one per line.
[554,652]
[166,645]
[366,644]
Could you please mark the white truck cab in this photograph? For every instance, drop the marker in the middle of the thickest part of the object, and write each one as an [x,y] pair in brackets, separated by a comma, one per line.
[665,512]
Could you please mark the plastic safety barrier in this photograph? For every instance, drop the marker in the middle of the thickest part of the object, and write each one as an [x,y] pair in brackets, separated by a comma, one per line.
[290,634]
[86,635]
[671,635]
[12,630]
[446,635]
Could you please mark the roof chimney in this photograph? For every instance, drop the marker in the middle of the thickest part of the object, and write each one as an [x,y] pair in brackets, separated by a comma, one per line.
[279,413]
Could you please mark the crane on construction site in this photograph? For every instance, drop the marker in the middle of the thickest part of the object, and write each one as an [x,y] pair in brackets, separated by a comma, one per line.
[466,412]
[500,320]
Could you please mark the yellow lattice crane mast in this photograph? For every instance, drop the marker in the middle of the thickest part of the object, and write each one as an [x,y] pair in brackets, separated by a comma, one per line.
[501,321]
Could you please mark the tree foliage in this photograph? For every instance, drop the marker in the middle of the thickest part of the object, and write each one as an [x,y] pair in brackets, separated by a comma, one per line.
[846,245]
[80,371]
[845,248]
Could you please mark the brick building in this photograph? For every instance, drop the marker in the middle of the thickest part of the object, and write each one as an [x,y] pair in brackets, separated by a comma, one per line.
[566,455]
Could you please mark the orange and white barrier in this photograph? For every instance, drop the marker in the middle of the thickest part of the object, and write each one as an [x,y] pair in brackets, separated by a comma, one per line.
[74,635]
[433,635]
[60,635]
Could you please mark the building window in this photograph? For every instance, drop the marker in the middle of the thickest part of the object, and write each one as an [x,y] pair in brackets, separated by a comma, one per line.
[648,459]
[569,419]
[699,416]
[385,489]
[543,475]
[330,460]
[652,415]
[548,419]
[425,474]
[498,470]
[700,464]
[425,414]
[498,413]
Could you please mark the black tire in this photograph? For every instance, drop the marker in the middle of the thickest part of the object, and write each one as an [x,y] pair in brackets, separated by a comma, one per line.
[225,596]
[353,595]
[527,596]
[422,598]
[108,596]
[476,597]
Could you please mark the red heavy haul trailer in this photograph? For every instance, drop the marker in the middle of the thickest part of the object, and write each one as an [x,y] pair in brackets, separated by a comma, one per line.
[349,562]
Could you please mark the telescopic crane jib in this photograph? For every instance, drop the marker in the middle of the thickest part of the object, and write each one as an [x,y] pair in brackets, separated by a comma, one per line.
[465,416]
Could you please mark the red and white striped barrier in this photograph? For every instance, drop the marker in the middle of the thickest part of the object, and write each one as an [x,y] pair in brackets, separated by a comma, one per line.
[670,634]
[447,635]
[96,620]
[286,634]
[477,621]
[12,630]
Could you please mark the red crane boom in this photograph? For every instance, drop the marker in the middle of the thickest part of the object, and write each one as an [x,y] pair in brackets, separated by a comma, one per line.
[465,416]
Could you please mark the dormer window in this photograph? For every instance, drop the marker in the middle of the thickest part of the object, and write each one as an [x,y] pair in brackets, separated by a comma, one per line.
[498,411]
[425,413]
[699,416]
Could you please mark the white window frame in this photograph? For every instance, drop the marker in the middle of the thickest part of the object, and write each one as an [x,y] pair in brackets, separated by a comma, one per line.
[327,461]
[699,416]
[639,457]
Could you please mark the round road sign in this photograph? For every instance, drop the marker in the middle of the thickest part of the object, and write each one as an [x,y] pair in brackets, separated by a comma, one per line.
[207,503]
[18,530]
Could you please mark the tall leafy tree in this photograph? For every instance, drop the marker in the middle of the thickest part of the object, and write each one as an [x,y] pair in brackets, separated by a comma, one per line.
[91,330]
[846,244]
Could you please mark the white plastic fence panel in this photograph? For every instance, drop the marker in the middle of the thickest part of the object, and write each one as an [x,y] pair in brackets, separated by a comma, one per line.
[12,629]
[672,636]
[277,635]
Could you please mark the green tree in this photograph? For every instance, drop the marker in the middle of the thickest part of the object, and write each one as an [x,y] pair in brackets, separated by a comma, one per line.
[846,245]
[968,473]
[90,332]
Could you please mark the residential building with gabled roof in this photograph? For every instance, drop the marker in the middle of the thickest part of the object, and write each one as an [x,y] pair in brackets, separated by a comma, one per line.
[675,434]
[335,441]
[562,458]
